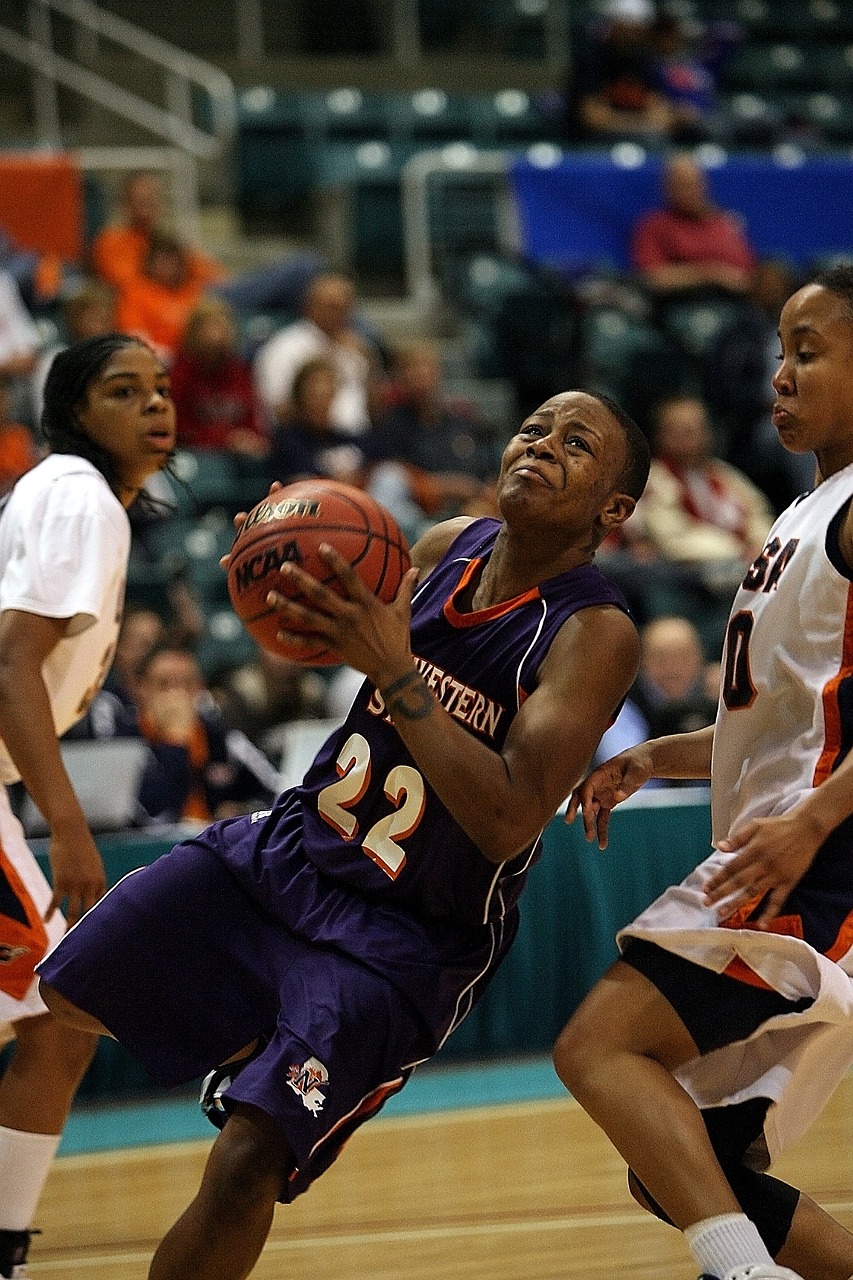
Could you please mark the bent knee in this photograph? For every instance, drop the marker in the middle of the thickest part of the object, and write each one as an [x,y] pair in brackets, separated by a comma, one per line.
[573,1052]
[68,1014]
[251,1159]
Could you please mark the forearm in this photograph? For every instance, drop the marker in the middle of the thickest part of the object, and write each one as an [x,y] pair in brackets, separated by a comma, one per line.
[681,755]
[827,806]
[27,729]
[473,782]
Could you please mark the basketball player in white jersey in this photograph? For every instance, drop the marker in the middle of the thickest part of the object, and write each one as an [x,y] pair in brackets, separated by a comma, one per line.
[727,1022]
[64,541]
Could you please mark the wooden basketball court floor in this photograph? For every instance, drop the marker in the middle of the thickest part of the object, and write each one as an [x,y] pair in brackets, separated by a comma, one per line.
[521,1190]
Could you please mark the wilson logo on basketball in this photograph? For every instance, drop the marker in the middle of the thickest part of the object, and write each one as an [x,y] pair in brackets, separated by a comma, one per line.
[252,568]
[264,512]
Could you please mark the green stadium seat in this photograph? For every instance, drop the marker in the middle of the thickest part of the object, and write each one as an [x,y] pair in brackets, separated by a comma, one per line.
[346,114]
[628,358]
[224,643]
[829,114]
[696,326]
[514,118]
[428,117]
[798,21]
[211,478]
[766,68]
[830,65]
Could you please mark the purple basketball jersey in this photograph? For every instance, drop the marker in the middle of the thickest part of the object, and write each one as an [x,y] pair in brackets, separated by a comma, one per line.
[371,821]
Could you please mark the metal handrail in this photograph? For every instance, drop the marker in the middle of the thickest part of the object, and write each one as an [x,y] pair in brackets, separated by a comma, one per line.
[456,161]
[184,66]
[102,91]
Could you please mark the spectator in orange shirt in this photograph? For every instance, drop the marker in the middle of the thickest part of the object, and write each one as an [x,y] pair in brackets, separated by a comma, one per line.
[120,250]
[157,305]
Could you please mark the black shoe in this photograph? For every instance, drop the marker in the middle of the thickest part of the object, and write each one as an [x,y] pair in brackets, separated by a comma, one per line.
[219,1081]
[14,1247]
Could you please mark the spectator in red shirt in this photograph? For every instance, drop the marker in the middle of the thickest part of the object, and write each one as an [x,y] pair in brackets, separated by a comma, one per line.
[212,386]
[690,245]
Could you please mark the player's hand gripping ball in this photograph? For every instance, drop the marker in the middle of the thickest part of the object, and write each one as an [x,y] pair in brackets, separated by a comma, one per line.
[290,525]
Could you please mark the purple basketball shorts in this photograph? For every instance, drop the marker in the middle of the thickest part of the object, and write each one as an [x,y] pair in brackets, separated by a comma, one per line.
[185,971]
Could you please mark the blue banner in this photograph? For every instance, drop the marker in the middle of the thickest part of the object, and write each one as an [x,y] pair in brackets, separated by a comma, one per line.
[578,214]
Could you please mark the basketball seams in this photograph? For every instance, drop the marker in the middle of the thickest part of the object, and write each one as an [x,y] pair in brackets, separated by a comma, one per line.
[362,530]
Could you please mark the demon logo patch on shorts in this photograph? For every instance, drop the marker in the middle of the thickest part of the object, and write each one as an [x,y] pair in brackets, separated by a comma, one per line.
[306,1081]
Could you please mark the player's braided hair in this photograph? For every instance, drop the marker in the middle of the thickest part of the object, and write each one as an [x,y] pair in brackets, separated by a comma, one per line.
[65,388]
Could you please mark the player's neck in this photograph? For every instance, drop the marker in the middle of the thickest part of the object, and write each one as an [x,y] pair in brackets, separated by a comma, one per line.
[510,571]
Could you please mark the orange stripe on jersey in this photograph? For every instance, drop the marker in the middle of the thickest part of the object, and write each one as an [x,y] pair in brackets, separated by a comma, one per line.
[790,926]
[843,940]
[21,945]
[831,707]
[457,619]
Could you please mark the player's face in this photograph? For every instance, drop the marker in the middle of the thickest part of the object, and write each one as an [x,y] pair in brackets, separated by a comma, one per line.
[128,410]
[565,462]
[812,383]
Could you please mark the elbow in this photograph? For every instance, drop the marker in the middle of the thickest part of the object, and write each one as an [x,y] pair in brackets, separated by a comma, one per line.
[505,839]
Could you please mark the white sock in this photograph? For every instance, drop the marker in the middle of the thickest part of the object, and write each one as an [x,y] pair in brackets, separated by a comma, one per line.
[25,1160]
[721,1244]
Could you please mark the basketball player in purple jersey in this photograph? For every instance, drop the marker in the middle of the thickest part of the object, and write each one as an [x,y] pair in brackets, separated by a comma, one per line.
[330,945]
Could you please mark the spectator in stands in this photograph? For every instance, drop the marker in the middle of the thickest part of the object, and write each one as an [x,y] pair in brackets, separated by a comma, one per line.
[326,329]
[86,311]
[427,457]
[696,507]
[203,770]
[19,346]
[687,59]
[156,305]
[307,441]
[212,386]
[266,694]
[18,448]
[673,689]
[613,94]
[120,250]
[690,247]
[199,769]
[700,515]
[672,686]
[141,630]
[39,276]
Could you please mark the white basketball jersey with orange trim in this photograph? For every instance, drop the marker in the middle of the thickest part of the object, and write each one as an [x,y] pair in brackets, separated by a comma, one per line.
[786,711]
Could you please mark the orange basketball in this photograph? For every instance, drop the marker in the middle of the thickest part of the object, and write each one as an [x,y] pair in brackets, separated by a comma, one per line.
[291,525]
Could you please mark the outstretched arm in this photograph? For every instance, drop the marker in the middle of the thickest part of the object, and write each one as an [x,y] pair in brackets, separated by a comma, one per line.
[678,755]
